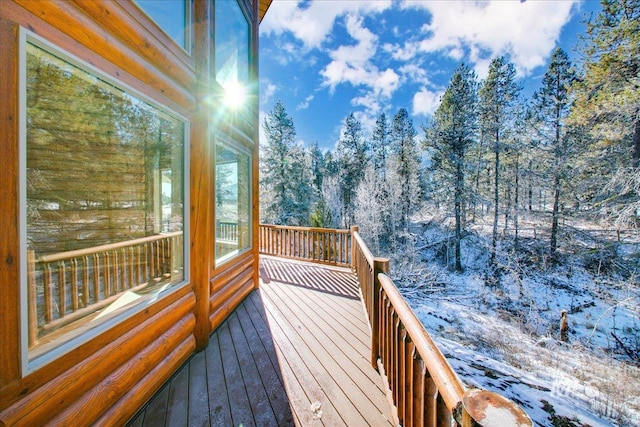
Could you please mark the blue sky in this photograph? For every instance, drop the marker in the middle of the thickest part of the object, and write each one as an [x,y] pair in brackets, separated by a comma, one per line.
[326,59]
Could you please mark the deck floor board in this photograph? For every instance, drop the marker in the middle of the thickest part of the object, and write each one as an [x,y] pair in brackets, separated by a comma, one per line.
[295,352]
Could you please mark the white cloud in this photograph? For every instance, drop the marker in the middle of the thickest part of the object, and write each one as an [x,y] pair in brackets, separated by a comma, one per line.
[426,102]
[305,104]
[312,25]
[369,101]
[527,31]
[352,64]
[415,73]
[268,93]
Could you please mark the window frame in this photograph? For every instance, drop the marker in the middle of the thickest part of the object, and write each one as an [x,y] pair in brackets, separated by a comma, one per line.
[188,30]
[224,139]
[31,364]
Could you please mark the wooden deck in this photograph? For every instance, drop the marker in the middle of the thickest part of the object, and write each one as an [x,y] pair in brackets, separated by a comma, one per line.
[295,352]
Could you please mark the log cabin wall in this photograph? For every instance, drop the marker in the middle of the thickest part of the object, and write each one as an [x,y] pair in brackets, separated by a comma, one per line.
[107,377]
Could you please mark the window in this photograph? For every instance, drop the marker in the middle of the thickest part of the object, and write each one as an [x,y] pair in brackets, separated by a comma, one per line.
[103,200]
[173,16]
[233,207]
[232,45]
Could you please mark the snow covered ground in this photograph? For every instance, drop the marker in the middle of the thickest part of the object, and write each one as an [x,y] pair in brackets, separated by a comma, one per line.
[501,331]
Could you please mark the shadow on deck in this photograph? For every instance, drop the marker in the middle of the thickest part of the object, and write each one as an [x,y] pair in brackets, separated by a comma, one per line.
[295,352]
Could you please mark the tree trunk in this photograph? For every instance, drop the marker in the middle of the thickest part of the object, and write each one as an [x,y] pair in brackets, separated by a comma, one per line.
[496,200]
[636,145]
[556,214]
[515,213]
[458,211]
[530,185]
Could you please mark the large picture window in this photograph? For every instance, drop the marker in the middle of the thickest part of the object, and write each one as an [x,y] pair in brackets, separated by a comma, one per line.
[233,208]
[104,200]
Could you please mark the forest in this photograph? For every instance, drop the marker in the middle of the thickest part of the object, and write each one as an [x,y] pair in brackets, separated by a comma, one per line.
[501,215]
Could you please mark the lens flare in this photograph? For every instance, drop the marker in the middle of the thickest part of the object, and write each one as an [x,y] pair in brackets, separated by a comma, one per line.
[234,95]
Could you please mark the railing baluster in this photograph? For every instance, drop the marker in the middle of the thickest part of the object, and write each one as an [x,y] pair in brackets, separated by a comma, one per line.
[48,295]
[419,390]
[107,275]
[62,289]
[86,298]
[431,407]
[96,278]
[74,284]
[32,291]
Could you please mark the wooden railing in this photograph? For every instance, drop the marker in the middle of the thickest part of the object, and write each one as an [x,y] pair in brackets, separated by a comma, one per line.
[422,385]
[67,286]
[322,245]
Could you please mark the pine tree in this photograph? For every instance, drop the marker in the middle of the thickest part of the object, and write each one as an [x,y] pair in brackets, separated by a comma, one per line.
[498,107]
[380,145]
[608,105]
[352,157]
[453,130]
[285,179]
[406,162]
[551,106]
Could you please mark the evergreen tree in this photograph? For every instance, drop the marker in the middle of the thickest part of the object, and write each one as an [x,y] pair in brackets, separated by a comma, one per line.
[551,106]
[406,162]
[454,128]
[380,145]
[498,110]
[608,105]
[352,156]
[285,179]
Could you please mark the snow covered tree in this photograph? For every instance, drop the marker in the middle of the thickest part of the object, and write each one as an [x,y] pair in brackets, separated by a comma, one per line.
[285,180]
[352,155]
[499,102]
[453,129]
[406,162]
[380,145]
[608,105]
[368,211]
[551,106]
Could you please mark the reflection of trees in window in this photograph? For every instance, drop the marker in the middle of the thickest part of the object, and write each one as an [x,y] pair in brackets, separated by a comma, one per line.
[232,201]
[95,160]
[104,174]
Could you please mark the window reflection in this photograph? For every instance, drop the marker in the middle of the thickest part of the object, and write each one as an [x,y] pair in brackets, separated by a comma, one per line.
[104,200]
[232,208]
[172,16]
[232,44]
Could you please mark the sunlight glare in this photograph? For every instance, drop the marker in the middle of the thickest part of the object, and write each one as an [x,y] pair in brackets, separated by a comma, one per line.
[234,95]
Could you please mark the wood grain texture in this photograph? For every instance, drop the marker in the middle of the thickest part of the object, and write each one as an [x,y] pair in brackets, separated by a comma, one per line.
[201,178]
[294,352]
[9,247]
[75,384]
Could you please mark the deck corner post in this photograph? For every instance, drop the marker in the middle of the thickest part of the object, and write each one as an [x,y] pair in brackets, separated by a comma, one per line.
[488,409]
[354,229]
[380,265]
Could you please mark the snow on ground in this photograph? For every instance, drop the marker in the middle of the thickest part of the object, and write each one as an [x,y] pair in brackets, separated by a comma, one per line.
[503,334]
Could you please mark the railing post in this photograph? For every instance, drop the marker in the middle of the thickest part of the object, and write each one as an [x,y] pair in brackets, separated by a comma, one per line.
[354,229]
[380,265]
[488,409]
